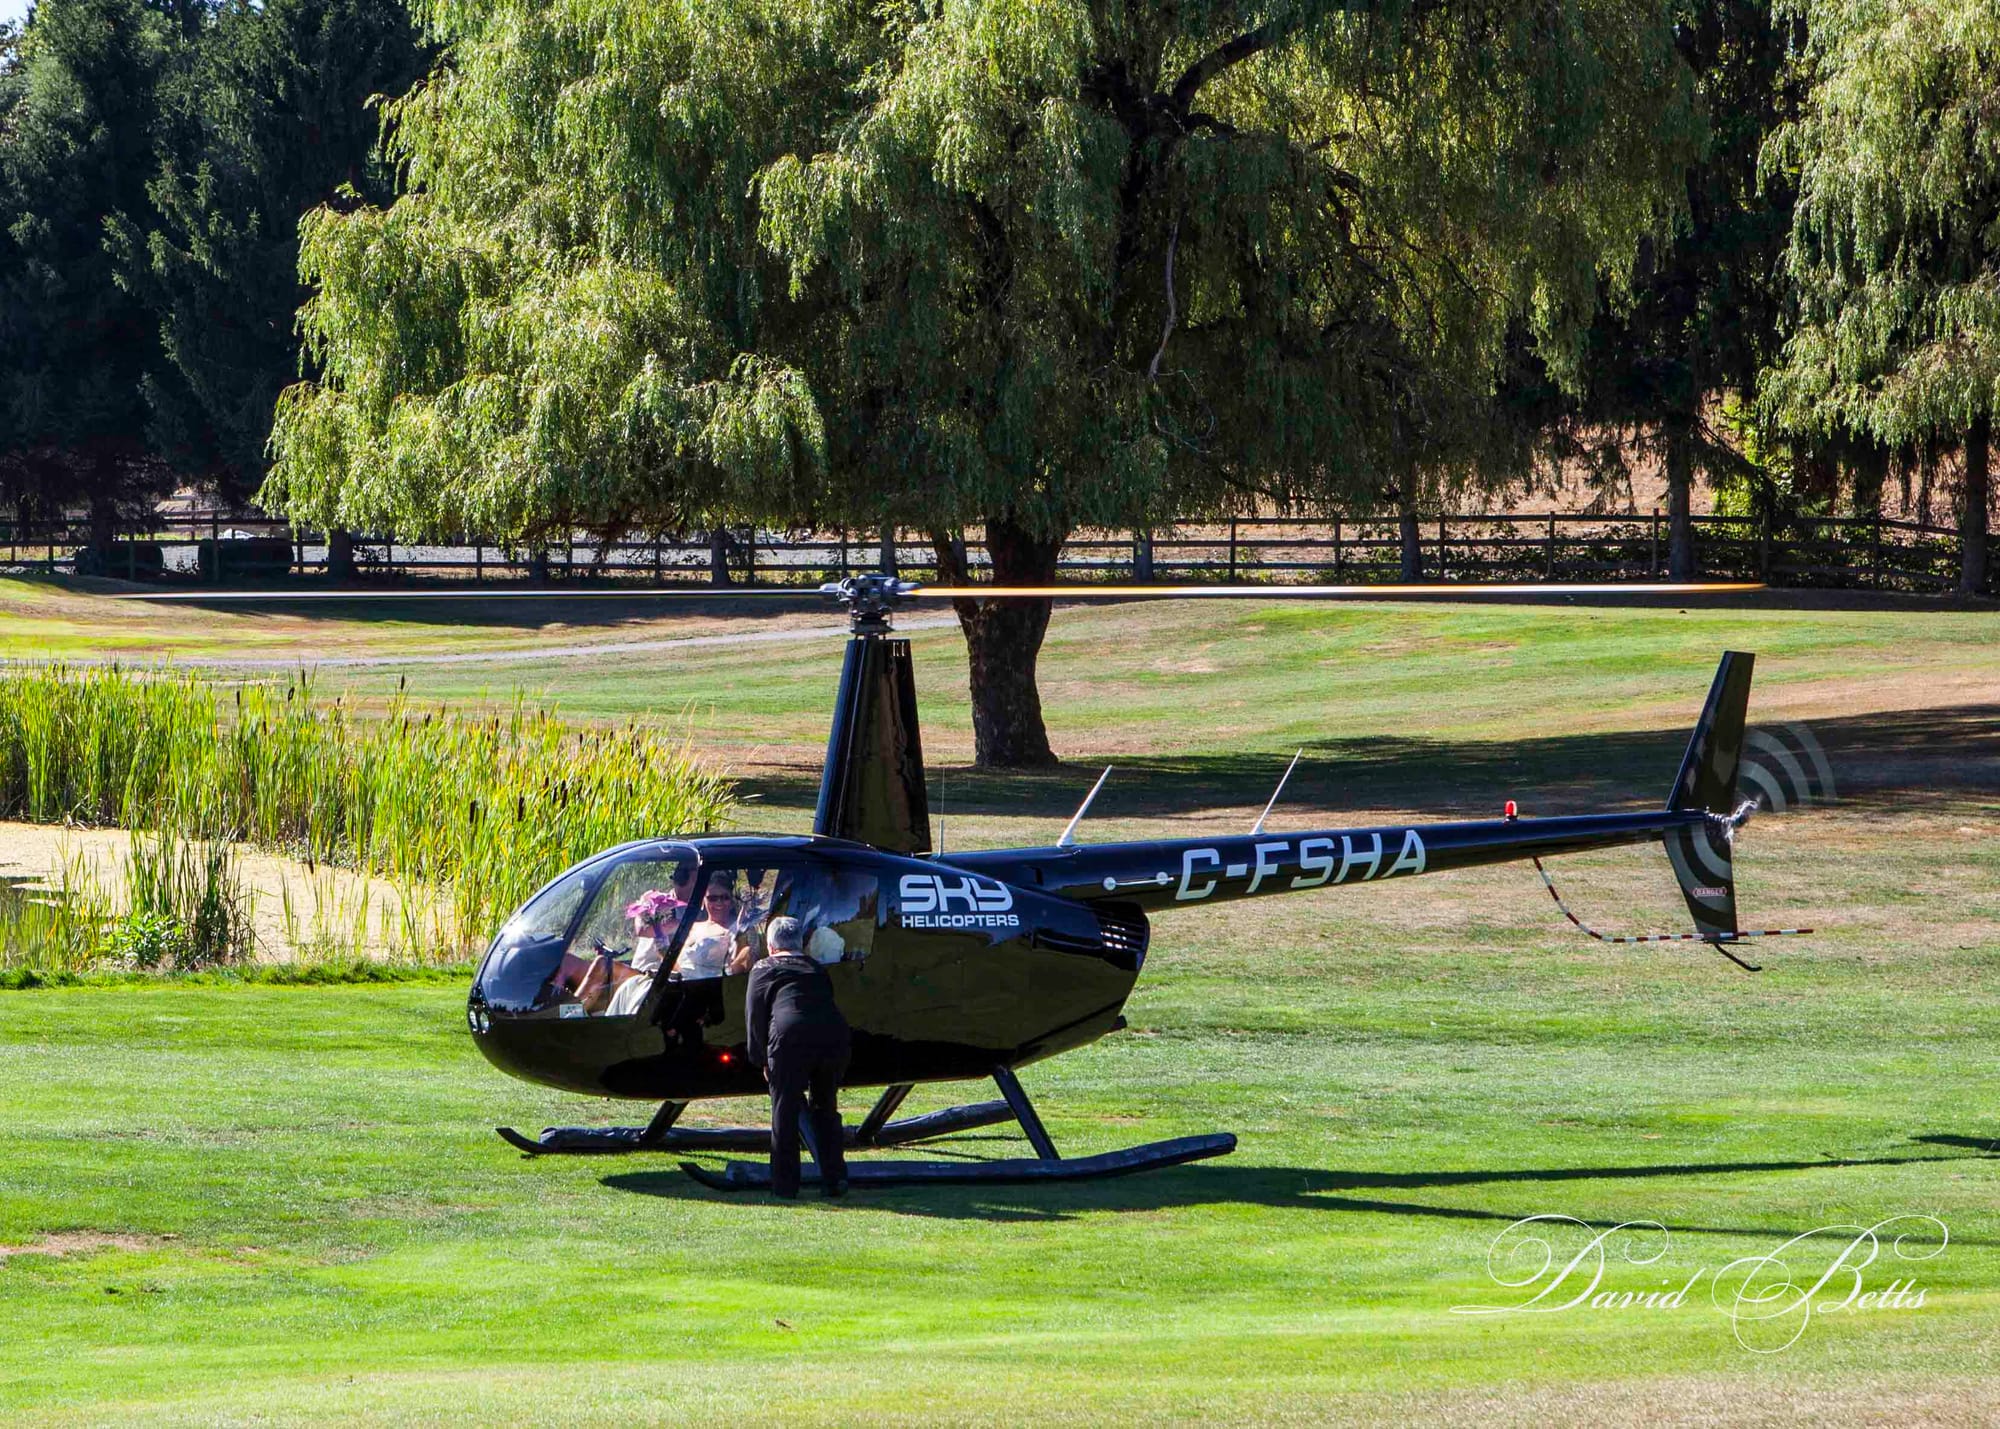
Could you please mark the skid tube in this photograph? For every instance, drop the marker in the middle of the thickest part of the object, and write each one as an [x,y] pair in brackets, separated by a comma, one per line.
[1047,1164]
[877,1129]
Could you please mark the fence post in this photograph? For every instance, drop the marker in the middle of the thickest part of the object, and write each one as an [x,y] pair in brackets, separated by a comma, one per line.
[1232,550]
[1656,543]
[1336,548]
[1875,555]
[1764,545]
[479,562]
[1549,551]
[750,557]
[843,553]
[1441,541]
[215,544]
[1142,556]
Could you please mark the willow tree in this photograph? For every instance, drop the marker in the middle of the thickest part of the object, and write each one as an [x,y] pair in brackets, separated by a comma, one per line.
[1016,267]
[1895,250]
[1702,314]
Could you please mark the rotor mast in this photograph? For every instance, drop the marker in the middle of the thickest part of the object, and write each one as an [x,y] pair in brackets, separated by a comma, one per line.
[872,790]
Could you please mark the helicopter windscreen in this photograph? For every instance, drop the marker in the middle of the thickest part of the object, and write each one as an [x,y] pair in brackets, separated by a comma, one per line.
[592,941]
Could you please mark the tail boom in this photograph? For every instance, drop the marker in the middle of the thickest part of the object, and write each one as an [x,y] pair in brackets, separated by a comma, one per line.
[1178,873]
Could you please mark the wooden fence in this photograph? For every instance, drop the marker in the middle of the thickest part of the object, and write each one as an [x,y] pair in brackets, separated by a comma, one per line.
[1862,553]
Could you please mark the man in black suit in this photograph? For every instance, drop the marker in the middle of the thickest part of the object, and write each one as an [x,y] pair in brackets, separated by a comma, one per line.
[799,1038]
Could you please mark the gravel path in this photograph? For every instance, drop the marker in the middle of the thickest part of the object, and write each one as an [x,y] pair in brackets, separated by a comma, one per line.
[326,903]
[527,655]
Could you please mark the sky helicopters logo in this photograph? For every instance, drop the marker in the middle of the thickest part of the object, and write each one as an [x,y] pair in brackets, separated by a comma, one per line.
[937,900]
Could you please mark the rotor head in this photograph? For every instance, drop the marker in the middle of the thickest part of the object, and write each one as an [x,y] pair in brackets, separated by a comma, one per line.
[870,599]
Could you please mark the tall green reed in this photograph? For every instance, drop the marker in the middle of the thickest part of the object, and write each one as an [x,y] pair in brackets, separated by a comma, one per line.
[62,924]
[476,810]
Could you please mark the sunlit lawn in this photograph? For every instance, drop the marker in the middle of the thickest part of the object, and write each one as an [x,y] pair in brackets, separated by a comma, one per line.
[286,1204]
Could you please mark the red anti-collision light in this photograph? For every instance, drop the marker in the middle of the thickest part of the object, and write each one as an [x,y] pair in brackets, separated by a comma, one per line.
[1512,811]
[726,1058]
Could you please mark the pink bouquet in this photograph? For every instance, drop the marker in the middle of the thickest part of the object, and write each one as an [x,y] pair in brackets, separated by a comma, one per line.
[650,909]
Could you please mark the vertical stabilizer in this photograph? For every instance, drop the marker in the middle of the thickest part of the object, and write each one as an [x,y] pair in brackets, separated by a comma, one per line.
[1708,771]
[1702,855]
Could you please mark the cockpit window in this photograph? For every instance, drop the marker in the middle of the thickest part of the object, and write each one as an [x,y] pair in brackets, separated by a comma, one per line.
[836,908]
[556,952]
[727,934]
[516,974]
[596,942]
[623,939]
[551,911]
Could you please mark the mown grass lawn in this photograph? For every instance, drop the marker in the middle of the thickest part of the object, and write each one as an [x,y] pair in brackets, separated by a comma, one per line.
[286,1204]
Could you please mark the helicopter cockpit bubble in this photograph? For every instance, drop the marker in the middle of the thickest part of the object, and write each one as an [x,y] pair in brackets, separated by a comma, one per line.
[591,942]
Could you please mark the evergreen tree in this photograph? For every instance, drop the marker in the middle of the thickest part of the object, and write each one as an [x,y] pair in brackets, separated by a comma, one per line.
[1019,266]
[12,84]
[1895,249]
[271,119]
[74,346]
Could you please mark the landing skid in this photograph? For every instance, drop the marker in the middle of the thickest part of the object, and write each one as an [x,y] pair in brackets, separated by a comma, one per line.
[1047,1164]
[663,1135]
[878,1129]
[756,1175]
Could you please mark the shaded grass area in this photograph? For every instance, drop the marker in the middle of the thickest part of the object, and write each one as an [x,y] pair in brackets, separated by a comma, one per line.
[1166,680]
[286,1202]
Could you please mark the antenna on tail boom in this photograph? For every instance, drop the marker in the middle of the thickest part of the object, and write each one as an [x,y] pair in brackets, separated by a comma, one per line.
[1069,834]
[1283,779]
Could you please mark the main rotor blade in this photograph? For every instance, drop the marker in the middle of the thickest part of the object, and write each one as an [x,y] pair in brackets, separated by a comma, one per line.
[1322,592]
[480,593]
[985,592]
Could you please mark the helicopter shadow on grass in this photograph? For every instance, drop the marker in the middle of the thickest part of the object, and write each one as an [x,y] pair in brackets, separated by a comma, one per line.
[1904,756]
[1300,1188]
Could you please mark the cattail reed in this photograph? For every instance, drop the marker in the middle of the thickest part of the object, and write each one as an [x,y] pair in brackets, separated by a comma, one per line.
[277,767]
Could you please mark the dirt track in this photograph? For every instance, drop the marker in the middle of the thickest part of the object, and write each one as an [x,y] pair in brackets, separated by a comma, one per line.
[326,902]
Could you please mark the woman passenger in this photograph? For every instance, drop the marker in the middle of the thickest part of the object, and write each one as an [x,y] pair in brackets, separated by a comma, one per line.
[718,943]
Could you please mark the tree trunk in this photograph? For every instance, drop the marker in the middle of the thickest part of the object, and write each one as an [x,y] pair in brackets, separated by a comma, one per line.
[1409,537]
[103,522]
[719,542]
[1972,525]
[887,564]
[1868,467]
[1677,441]
[340,554]
[1003,641]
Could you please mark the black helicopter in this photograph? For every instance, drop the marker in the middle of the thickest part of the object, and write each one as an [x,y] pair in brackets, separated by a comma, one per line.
[625,976]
